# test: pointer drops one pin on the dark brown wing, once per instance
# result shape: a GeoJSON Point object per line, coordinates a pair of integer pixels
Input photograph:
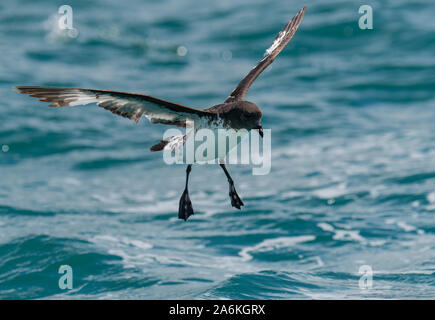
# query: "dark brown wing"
{"type": "Point", "coordinates": [281, 40]}
{"type": "Point", "coordinates": [129, 105]}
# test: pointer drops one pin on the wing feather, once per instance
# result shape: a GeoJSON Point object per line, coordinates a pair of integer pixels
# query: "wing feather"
{"type": "Point", "coordinates": [130, 105]}
{"type": "Point", "coordinates": [281, 40]}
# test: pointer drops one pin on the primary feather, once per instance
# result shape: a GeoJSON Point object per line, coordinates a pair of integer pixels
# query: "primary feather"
{"type": "Point", "coordinates": [281, 40]}
{"type": "Point", "coordinates": [129, 105]}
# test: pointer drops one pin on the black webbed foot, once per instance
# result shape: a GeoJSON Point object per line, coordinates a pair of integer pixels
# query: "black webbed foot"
{"type": "Point", "coordinates": [235, 199]}
{"type": "Point", "coordinates": [185, 209]}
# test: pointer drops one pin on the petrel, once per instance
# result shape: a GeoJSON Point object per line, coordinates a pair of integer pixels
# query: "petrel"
{"type": "Point", "coordinates": [235, 113]}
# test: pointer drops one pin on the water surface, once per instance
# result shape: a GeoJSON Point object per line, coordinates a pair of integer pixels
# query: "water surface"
{"type": "Point", "coordinates": [352, 183]}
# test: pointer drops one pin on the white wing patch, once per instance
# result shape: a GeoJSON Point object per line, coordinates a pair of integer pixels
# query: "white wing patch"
{"type": "Point", "coordinates": [276, 43]}
{"type": "Point", "coordinates": [175, 142]}
{"type": "Point", "coordinates": [129, 105]}
{"type": "Point", "coordinates": [134, 109]}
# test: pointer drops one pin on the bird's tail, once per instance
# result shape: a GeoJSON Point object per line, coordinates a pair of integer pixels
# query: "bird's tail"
{"type": "Point", "coordinates": [169, 143]}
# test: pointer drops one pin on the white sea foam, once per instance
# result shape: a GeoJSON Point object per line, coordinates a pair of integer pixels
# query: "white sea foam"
{"type": "Point", "coordinates": [332, 192]}
{"type": "Point", "coordinates": [348, 235]}
{"type": "Point", "coordinates": [343, 235]}
{"type": "Point", "coordinates": [325, 226]}
{"type": "Point", "coordinates": [319, 261]}
{"type": "Point", "coordinates": [138, 243]}
{"type": "Point", "coordinates": [405, 226]}
{"type": "Point", "coordinates": [155, 208]}
{"type": "Point", "coordinates": [431, 197]}
{"type": "Point", "coordinates": [273, 244]}
{"type": "Point", "coordinates": [123, 241]}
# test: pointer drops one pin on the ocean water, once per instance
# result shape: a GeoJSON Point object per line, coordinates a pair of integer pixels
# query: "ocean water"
{"type": "Point", "coordinates": [352, 183]}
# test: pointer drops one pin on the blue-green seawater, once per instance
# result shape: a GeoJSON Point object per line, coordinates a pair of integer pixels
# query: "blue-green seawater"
{"type": "Point", "coordinates": [352, 183]}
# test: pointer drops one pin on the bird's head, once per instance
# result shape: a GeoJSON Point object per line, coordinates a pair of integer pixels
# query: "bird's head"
{"type": "Point", "coordinates": [251, 115]}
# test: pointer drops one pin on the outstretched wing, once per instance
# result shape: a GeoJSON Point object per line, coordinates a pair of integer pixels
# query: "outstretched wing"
{"type": "Point", "coordinates": [129, 105]}
{"type": "Point", "coordinates": [281, 40]}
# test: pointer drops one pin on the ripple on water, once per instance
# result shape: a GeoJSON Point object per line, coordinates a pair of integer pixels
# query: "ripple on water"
{"type": "Point", "coordinates": [29, 268]}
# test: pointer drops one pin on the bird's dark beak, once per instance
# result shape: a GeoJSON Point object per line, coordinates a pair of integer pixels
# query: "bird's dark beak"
{"type": "Point", "coordinates": [260, 130]}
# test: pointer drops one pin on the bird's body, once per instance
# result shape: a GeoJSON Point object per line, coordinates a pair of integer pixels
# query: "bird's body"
{"type": "Point", "coordinates": [235, 115]}
{"type": "Point", "coordinates": [232, 119]}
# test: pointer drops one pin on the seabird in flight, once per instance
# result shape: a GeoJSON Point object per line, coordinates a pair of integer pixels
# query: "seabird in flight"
{"type": "Point", "coordinates": [235, 113]}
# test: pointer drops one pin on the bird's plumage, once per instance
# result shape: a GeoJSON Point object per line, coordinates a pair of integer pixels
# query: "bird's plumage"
{"type": "Point", "coordinates": [135, 106]}
{"type": "Point", "coordinates": [281, 40]}
{"type": "Point", "coordinates": [235, 113]}
{"type": "Point", "coordinates": [129, 105]}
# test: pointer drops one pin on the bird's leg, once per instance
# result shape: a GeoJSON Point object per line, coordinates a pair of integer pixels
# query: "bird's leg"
{"type": "Point", "coordinates": [185, 209]}
{"type": "Point", "coordinates": [235, 199]}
